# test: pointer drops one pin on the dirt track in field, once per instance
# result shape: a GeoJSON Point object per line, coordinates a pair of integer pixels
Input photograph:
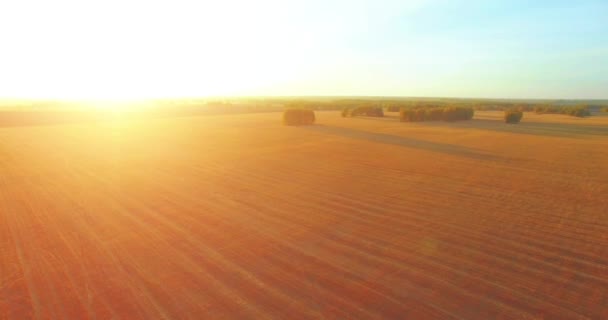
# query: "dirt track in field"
{"type": "Point", "coordinates": [240, 217]}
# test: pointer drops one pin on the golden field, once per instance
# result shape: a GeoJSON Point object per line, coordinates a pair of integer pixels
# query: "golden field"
{"type": "Point", "coordinates": [240, 217]}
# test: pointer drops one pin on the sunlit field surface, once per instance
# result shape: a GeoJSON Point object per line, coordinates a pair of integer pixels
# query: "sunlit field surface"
{"type": "Point", "coordinates": [238, 216]}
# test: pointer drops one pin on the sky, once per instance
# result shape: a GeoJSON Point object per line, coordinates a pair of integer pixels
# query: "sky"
{"type": "Point", "coordinates": [126, 49]}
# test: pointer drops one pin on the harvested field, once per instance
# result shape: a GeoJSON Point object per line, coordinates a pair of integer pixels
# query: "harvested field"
{"type": "Point", "coordinates": [238, 216]}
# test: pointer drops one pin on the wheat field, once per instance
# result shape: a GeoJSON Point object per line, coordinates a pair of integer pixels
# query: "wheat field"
{"type": "Point", "coordinates": [240, 217]}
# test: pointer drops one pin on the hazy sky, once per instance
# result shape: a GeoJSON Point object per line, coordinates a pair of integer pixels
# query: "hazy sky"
{"type": "Point", "coordinates": [147, 48]}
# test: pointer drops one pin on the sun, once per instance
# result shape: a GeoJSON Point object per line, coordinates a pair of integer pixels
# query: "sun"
{"type": "Point", "coordinates": [101, 52]}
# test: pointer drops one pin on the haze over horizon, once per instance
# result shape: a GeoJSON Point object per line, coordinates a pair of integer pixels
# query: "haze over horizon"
{"type": "Point", "coordinates": [153, 49]}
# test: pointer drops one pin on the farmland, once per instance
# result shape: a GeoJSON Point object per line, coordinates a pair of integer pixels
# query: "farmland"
{"type": "Point", "coordinates": [238, 216]}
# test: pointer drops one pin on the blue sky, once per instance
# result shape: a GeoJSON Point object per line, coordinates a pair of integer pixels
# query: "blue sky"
{"type": "Point", "coordinates": [136, 48]}
{"type": "Point", "coordinates": [481, 48]}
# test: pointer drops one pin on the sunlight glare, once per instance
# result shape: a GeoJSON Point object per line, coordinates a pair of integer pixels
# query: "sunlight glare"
{"type": "Point", "coordinates": [142, 49]}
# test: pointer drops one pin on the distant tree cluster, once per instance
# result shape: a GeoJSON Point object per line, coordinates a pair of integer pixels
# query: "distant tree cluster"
{"type": "Point", "coordinates": [513, 116]}
{"type": "Point", "coordinates": [451, 113]}
{"type": "Point", "coordinates": [368, 111]}
{"type": "Point", "coordinates": [298, 117]}
{"type": "Point", "coordinates": [580, 111]}
{"type": "Point", "coordinates": [575, 111]}
{"type": "Point", "coordinates": [419, 109]}
{"type": "Point", "coordinates": [507, 106]}
{"type": "Point", "coordinates": [388, 104]}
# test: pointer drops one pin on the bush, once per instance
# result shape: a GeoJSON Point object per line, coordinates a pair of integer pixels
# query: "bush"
{"type": "Point", "coordinates": [375, 112]}
{"type": "Point", "coordinates": [297, 117]}
{"type": "Point", "coordinates": [434, 114]}
{"type": "Point", "coordinates": [345, 112]}
{"type": "Point", "coordinates": [405, 115]}
{"type": "Point", "coordinates": [392, 109]}
{"type": "Point", "coordinates": [458, 113]}
{"type": "Point", "coordinates": [513, 116]}
{"type": "Point", "coordinates": [412, 115]}
{"type": "Point", "coordinates": [470, 113]}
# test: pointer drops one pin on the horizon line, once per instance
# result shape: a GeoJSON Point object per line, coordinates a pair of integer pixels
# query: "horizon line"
{"type": "Point", "coordinates": [229, 97]}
